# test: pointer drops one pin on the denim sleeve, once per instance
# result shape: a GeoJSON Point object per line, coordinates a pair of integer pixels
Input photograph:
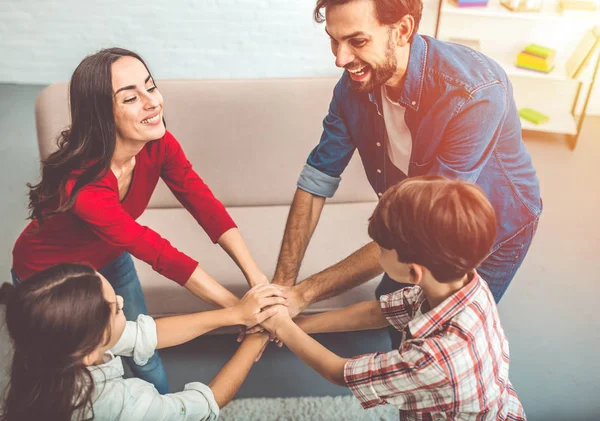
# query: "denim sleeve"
{"type": "Point", "coordinates": [472, 134]}
{"type": "Point", "coordinates": [321, 174]}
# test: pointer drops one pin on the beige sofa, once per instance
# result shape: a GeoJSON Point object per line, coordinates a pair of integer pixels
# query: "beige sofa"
{"type": "Point", "coordinates": [248, 139]}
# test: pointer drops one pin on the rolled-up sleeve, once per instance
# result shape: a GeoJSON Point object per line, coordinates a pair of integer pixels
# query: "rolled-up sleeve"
{"type": "Point", "coordinates": [409, 378]}
{"type": "Point", "coordinates": [399, 306]}
{"type": "Point", "coordinates": [315, 182]}
{"type": "Point", "coordinates": [321, 174]}
{"type": "Point", "coordinates": [196, 402]}
{"type": "Point", "coordinates": [139, 340]}
{"type": "Point", "coordinates": [139, 400]}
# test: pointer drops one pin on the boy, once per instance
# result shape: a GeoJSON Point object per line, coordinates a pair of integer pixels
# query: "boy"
{"type": "Point", "coordinates": [453, 361]}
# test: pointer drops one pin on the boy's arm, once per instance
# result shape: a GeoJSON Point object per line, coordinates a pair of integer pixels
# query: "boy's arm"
{"type": "Point", "coordinates": [361, 316]}
{"type": "Point", "coordinates": [322, 360]}
{"type": "Point", "coordinates": [229, 379]}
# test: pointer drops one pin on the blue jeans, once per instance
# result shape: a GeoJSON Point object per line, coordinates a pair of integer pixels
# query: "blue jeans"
{"type": "Point", "coordinates": [123, 277]}
{"type": "Point", "coordinates": [498, 270]}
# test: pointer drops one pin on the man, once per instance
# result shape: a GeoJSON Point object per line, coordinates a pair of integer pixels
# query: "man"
{"type": "Point", "coordinates": [411, 105]}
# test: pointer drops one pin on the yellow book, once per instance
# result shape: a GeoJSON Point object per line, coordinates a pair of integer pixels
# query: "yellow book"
{"type": "Point", "coordinates": [529, 60]}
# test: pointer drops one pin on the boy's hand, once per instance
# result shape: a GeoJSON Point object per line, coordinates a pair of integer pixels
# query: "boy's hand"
{"type": "Point", "coordinates": [261, 296]}
{"type": "Point", "coordinates": [279, 313]}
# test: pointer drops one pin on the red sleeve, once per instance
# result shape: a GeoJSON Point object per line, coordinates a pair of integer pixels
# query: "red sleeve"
{"type": "Point", "coordinates": [192, 192]}
{"type": "Point", "coordinates": [99, 207]}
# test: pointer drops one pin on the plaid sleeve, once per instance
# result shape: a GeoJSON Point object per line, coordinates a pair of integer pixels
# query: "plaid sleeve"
{"type": "Point", "coordinates": [398, 307]}
{"type": "Point", "coordinates": [410, 378]}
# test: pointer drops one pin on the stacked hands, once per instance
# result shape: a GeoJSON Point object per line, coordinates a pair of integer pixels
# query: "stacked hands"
{"type": "Point", "coordinates": [263, 307]}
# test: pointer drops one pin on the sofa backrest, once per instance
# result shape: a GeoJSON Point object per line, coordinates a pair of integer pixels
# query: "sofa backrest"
{"type": "Point", "coordinates": [248, 139]}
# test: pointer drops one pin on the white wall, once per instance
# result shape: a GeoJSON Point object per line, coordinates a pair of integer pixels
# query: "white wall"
{"type": "Point", "coordinates": [41, 41]}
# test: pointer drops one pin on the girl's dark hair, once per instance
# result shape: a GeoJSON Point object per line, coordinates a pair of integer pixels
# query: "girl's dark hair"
{"type": "Point", "coordinates": [88, 144]}
{"type": "Point", "coordinates": [388, 11]}
{"type": "Point", "coordinates": [447, 226]}
{"type": "Point", "coordinates": [54, 318]}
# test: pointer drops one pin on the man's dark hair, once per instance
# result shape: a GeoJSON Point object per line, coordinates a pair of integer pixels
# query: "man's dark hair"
{"type": "Point", "coordinates": [388, 11]}
{"type": "Point", "coordinates": [447, 226]}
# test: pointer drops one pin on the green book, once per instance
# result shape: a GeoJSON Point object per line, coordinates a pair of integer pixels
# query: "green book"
{"type": "Point", "coordinates": [533, 116]}
{"type": "Point", "coordinates": [540, 51]}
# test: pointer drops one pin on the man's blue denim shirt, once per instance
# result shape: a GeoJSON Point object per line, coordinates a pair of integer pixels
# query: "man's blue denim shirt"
{"type": "Point", "coordinates": [464, 124]}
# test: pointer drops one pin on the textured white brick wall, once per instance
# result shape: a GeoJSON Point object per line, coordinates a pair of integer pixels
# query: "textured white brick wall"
{"type": "Point", "coordinates": [42, 41]}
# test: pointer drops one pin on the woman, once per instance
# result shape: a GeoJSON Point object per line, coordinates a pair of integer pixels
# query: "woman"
{"type": "Point", "coordinates": [66, 324]}
{"type": "Point", "coordinates": [100, 180]}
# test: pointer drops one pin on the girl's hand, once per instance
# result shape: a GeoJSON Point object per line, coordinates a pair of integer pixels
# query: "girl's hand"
{"type": "Point", "coordinates": [261, 296]}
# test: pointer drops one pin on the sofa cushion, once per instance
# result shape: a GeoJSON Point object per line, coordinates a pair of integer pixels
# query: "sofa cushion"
{"type": "Point", "coordinates": [342, 230]}
{"type": "Point", "coordinates": [248, 139]}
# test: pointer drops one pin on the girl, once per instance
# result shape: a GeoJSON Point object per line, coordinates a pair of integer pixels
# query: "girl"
{"type": "Point", "coordinates": [100, 180]}
{"type": "Point", "coordinates": [67, 324]}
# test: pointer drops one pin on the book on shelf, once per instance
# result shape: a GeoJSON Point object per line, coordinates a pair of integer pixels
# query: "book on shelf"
{"type": "Point", "coordinates": [567, 5]}
{"type": "Point", "coordinates": [540, 51]}
{"type": "Point", "coordinates": [470, 3]}
{"type": "Point", "coordinates": [536, 57]}
{"type": "Point", "coordinates": [535, 68]}
{"type": "Point", "coordinates": [583, 52]}
{"type": "Point", "coordinates": [522, 5]}
{"type": "Point", "coordinates": [527, 60]}
{"type": "Point", "coordinates": [533, 116]}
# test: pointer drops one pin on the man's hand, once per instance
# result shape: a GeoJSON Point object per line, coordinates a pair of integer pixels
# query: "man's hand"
{"type": "Point", "coordinates": [294, 306]}
{"type": "Point", "coordinates": [249, 308]}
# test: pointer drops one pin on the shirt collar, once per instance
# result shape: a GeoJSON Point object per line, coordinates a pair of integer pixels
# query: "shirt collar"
{"type": "Point", "coordinates": [415, 76]}
{"type": "Point", "coordinates": [109, 370]}
{"type": "Point", "coordinates": [425, 324]}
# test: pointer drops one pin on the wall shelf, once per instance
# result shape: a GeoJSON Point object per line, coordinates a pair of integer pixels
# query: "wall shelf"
{"type": "Point", "coordinates": [462, 22]}
{"type": "Point", "coordinates": [495, 10]}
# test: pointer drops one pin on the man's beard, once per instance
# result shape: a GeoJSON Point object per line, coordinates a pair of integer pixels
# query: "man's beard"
{"type": "Point", "coordinates": [379, 76]}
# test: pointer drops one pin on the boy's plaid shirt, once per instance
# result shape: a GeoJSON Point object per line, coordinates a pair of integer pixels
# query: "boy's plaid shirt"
{"type": "Point", "coordinates": [452, 364]}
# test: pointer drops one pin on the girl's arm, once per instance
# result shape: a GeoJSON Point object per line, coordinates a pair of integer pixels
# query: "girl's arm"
{"type": "Point", "coordinates": [176, 330]}
{"type": "Point", "coordinates": [361, 316]}
{"type": "Point", "coordinates": [227, 381]}
{"type": "Point", "coordinates": [233, 243]}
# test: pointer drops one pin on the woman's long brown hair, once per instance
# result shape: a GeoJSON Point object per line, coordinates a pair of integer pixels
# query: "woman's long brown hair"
{"type": "Point", "coordinates": [88, 144]}
{"type": "Point", "coordinates": [54, 318]}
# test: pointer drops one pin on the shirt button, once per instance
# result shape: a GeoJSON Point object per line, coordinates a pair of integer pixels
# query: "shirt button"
{"type": "Point", "coordinates": [378, 171]}
{"type": "Point", "coordinates": [379, 194]}
{"type": "Point", "coordinates": [414, 103]}
{"type": "Point", "coordinates": [378, 144]}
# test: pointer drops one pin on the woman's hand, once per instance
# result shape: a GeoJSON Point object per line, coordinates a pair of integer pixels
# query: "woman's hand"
{"type": "Point", "coordinates": [264, 295]}
{"type": "Point", "coordinates": [258, 279]}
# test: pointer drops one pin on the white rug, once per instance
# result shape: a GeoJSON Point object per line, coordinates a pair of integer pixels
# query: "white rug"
{"type": "Point", "coordinates": [338, 408]}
